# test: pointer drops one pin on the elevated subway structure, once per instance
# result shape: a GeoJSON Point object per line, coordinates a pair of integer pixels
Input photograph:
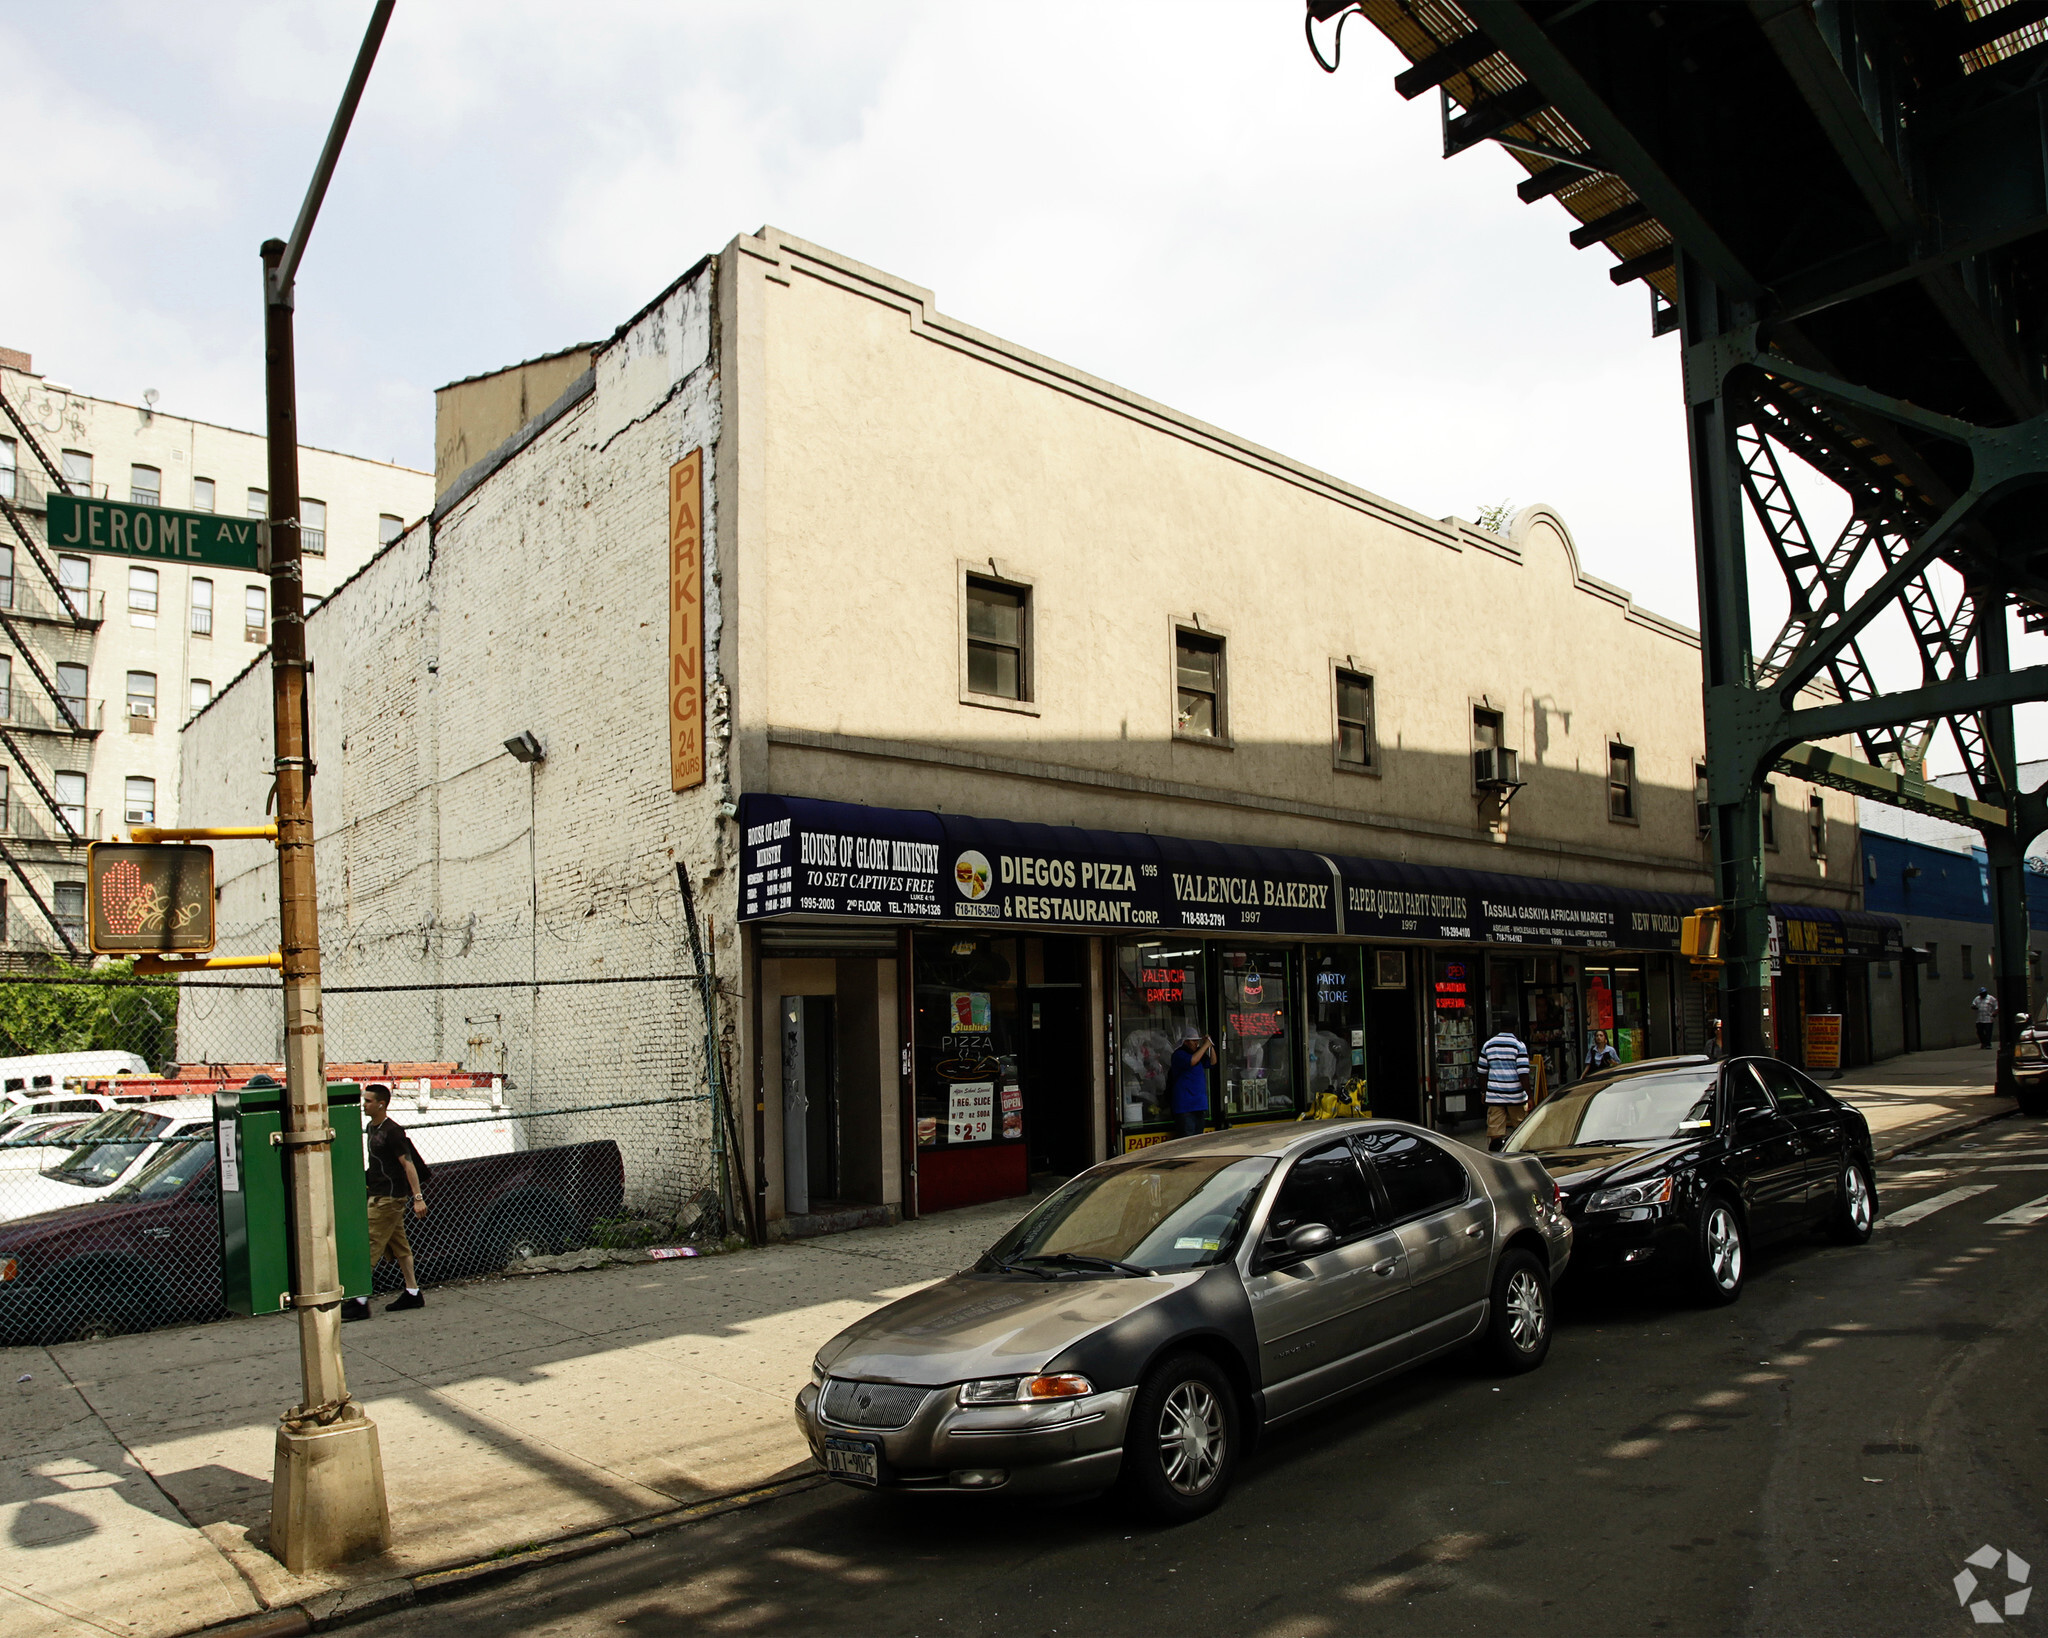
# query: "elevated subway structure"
{"type": "Point", "coordinates": [1843, 209]}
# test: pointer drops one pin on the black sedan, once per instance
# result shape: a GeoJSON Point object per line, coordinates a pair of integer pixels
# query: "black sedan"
{"type": "Point", "coordinates": [1681, 1166]}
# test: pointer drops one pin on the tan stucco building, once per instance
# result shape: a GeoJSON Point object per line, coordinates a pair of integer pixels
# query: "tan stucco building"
{"type": "Point", "coordinates": [1038, 722]}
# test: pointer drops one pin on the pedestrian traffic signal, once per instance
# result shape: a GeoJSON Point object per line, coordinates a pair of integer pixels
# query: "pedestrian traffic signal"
{"type": "Point", "coordinates": [1699, 935]}
{"type": "Point", "coordinates": [154, 899]}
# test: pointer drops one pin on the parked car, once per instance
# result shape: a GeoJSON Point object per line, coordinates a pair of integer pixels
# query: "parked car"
{"type": "Point", "coordinates": [109, 1149]}
{"type": "Point", "coordinates": [1141, 1325]}
{"type": "Point", "coordinates": [60, 1103]}
{"type": "Point", "coordinates": [147, 1252]}
{"type": "Point", "coordinates": [30, 1142]}
{"type": "Point", "coordinates": [1680, 1168]}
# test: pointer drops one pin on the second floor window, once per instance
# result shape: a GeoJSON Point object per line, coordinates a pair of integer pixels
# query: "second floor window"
{"type": "Point", "coordinates": [142, 594]}
{"type": "Point", "coordinates": [997, 659]}
{"type": "Point", "coordinates": [1493, 763]}
{"type": "Point", "coordinates": [1621, 782]}
{"type": "Point", "coordinates": [259, 503]}
{"type": "Point", "coordinates": [389, 528]}
{"type": "Point", "coordinates": [142, 694]}
{"type": "Point", "coordinates": [202, 695]}
{"type": "Point", "coordinates": [6, 687]}
{"type": "Point", "coordinates": [255, 613]}
{"type": "Point", "coordinates": [1198, 685]}
{"type": "Point", "coordinates": [76, 465]}
{"type": "Point", "coordinates": [6, 577]}
{"type": "Point", "coordinates": [139, 800]}
{"type": "Point", "coordinates": [67, 903]}
{"type": "Point", "coordinates": [1817, 825]}
{"type": "Point", "coordinates": [145, 486]}
{"type": "Point", "coordinates": [74, 574]}
{"type": "Point", "coordinates": [7, 462]}
{"type": "Point", "coordinates": [313, 528]}
{"type": "Point", "coordinates": [1702, 809]}
{"type": "Point", "coordinates": [1769, 805]}
{"type": "Point", "coordinates": [202, 608]}
{"type": "Point", "coordinates": [202, 494]}
{"type": "Point", "coordinates": [71, 690]}
{"type": "Point", "coordinates": [3, 799]}
{"type": "Point", "coordinates": [1354, 719]}
{"type": "Point", "coordinates": [71, 800]}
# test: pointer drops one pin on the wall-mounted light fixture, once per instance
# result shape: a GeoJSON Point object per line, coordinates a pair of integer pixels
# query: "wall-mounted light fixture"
{"type": "Point", "coordinates": [1910, 872]}
{"type": "Point", "coordinates": [526, 748]}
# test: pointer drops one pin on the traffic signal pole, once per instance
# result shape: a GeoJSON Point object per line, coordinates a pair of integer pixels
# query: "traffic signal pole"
{"type": "Point", "coordinates": [327, 1500]}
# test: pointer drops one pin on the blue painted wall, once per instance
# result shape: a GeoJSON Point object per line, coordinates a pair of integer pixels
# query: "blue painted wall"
{"type": "Point", "coordinates": [1950, 886]}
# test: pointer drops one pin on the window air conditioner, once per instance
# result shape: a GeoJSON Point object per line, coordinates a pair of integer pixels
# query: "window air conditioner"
{"type": "Point", "coordinates": [1495, 768]}
{"type": "Point", "coordinates": [142, 708]}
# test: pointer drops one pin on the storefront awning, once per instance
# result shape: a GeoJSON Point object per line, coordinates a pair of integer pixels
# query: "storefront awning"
{"type": "Point", "coordinates": [804, 857]}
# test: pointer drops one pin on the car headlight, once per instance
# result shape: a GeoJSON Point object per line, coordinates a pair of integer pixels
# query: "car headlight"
{"type": "Point", "coordinates": [817, 1374]}
{"type": "Point", "coordinates": [8, 1269]}
{"type": "Point", "coordinates": [1653, 1192]}
{"type": "Point", "coordinates": [1013, 1390]}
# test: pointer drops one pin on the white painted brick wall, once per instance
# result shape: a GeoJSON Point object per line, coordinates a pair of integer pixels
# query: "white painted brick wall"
{"type": "Point", "coordinates": [537, 603]}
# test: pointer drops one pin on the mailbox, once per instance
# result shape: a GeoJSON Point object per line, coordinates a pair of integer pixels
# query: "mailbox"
{"type": "Point", "coordinates": [255, 1252]}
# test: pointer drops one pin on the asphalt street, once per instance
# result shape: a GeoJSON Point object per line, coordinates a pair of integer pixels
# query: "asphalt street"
{"type": "Point", "coordinates": [1820, 1458]}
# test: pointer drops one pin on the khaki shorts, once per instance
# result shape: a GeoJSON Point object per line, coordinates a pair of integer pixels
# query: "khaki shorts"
{"type": "Point", "coordinates": [387, 1227]}
{"type": "Point", "coordinates": [1501, 1119]}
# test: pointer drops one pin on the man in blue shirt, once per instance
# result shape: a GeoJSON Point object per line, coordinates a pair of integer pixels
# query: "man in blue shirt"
{"type": "Point", "coordinates": [1187, 1081]}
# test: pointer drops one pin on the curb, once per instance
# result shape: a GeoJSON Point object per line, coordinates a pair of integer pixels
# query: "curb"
{"type": "Point", "coordinates": [347, 1605]}
{"type": "Point", "coordinates": [1944, 1135]}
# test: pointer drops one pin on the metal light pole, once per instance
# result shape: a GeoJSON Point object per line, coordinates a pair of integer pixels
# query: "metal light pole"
{"type": "Point", "coordinates": [327, 1487]}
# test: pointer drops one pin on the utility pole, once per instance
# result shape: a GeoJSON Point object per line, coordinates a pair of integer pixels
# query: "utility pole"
{"type": "Point", "coordinates": [327, 1488]}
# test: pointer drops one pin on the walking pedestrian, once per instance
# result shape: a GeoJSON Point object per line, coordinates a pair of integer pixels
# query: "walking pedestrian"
{"type": "Point", "coordinates": [1506, 1063]}
{"type": "Point", "coordinates": [1187, 1081]}
{"type": "Point", "coordinates": [1985, 1005]}
{"type": "Point", "coordinates": [394, 1174]}
{"type": "Point", "coordinates": [1604, 1055]}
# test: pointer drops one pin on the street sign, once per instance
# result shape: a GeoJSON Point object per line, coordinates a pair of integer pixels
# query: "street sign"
{"type": "Point", "coordinates": [119, 529]}
{"type": "Point", "coordinates": [148, 900]}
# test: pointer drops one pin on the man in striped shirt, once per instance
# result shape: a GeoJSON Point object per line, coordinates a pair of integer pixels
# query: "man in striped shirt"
{"type": "Point", "coordinates": [1505, 1062]}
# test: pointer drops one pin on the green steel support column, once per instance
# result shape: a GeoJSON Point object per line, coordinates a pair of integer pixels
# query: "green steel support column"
{"type": "Point", "coordinates": [1734, 772]}
{"type": "Point", "coordinates": [2005, 846]}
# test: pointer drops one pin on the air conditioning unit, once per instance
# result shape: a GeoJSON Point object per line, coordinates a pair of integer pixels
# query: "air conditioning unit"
{"type": "Point", "coordinates": [1496, 768]}
{"type": "Point", "coordinates": [142, 708]}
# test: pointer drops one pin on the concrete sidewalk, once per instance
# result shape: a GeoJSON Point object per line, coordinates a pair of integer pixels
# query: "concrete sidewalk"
{"type": "Point", "coordinates": [135, 1472]}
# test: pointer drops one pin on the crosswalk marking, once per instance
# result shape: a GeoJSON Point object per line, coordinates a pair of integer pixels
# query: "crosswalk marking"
{"type": "Point", "coordinates": [2020, 1216]}
{"type": "Point", "coordinates": [1932, 1204]}
{"type": "Point", "coordinates": [2041, 1166]}
{"type": "Point", "coordinates": [1988, 1154]}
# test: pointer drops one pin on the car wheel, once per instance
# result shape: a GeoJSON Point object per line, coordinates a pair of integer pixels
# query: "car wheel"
{"type": "Point", "coordinates": [1722, 1255]}
{"type": "Point", "coordinates": [532, 1226]}
{"type": "Point", "coordinates": [1181, 1449]}
{"type": "Point", "coordinates": [1855, 1210]}
{"type": "Point", "coordinates": [1518, 1320]}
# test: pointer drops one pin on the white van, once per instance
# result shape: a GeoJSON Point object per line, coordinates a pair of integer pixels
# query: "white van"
{"type": "Point", "coordinates": [44, 1073]}
{"type": "Point", "coordinates": [417, 1107]}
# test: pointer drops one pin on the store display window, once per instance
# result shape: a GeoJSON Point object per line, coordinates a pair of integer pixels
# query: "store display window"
{"type": "Point", "coordinates": [1616, 1014]}
{"type": "Point", "coordinates": [1454, 1033]}
{"type": "Point", "coordinates": [1159, 994]}
{"type": "Point", "coordinates": [1336, 1023]}
{"type": "Point", "coordinates": [1255, 1044]}
{"type": "Point", "coordinates": [968, 1036]}
{"type": "Point", "coordinates": [1550, 1003]}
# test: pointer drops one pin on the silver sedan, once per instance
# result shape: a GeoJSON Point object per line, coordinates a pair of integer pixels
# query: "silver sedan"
{"type": "Point", "coordinates": [1141, 1325]}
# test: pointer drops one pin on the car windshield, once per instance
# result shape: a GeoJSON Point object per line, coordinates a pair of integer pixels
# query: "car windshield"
{"type": "Point", "coordinates": [1161, 1216]}
{"type": "Point", "coordinates": [107, 1147]}
{"type": "Point", "coordinates": [1635, 1109]}
{"type": "Point", "coordinates": [169, 1170]}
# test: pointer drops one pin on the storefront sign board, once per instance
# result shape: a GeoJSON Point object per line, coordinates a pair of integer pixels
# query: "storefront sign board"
{"type": "Point", "coordinates": [1824, 1040]}
{"type": "Point", "coordinates": [686, 622]}
{"type": "Point", "coordinates": [971, 1111]}
{"type": "Point", "coordinates": [1812, 943]}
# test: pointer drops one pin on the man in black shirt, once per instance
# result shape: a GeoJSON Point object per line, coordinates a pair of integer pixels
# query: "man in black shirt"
{"type": "Point", "coordinates": [393, 1178]}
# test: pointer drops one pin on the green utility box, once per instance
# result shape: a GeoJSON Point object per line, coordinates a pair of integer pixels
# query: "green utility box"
{"type": "Point", "coordinates": [255, 1253]}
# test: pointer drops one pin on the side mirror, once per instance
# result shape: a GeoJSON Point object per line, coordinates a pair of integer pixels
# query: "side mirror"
{"type": "Point", "coordinates": [1310, 1238]}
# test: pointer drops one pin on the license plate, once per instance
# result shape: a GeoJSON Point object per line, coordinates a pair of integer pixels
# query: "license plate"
{"type": "Point", "coordinates": [856, 1459]}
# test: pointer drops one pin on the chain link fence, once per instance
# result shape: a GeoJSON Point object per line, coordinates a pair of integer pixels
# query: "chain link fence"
{"type": "Point", "coordinates": [559, 1108]}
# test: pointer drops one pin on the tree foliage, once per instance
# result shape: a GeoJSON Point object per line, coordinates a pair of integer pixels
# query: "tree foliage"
{"type": "Point", "coordinates": [99, 1010]}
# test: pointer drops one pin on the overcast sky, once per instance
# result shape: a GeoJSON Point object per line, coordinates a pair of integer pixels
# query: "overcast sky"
{"type": "Point", "coordinates": [1169, 195]}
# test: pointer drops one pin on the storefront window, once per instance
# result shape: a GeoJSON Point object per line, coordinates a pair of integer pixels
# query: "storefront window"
{"type": "Point", "coordinates": [1454, 1033]}
{"type": "Point", "coordinates": [1336, 1022]}
{"type": "Point", "coordinates": [1615, 1013]}
{"type": "Point", "coordinates": [1255, 1047]}
{"type": "Point", "coordinates": [1550, 1003]}
{"type": "Point", "coordinates": [967, 1033]}
{"type": "Point", "coordinates": [1159, 994]}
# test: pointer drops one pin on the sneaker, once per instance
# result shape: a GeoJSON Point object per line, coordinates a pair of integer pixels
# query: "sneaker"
{"type": "Point", "coordinates": [409, 1299]}
{"type": "Point", "coordinates": [355, 1308]}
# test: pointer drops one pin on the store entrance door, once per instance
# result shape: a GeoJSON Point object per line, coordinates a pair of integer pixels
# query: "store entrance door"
{"type": "Point", "coordinates": [1393, 1066]}
{"type": "Point", "coordinates": [810, 1103]}
{"type": "Point", "coordinates": [1057, 1127]}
